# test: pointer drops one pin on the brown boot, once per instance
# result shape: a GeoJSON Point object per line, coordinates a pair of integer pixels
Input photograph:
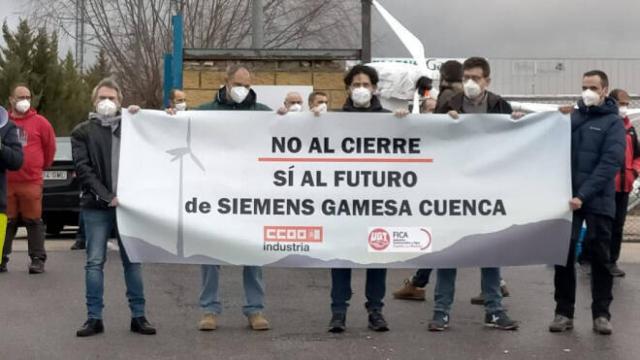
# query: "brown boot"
{"type": "Point", "coordinates": [208, 322]}
{"type": "Point", "coordinates": [257, 321]}
{"type": "Point", "coordinates": [409, 292]}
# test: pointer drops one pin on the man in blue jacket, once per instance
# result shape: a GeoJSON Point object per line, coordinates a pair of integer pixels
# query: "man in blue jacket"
{"type": "Point", "coordinates": [597, 153]}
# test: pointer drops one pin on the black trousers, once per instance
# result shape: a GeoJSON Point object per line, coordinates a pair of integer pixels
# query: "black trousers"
{"type": "Point", "coordinates": [598, 241]}
{"type": "Point", "coordinates": [341, 292]}
{"type": "Point", "coordinates": [622, 201]}
{"type": "Point", "coordinates": [421, 278]}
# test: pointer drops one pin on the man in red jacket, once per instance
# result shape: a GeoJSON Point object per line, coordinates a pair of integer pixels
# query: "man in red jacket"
{"type": "Point", "coordinates": [624, 180]}
{"type": "Point", "coordinates": [24, 198]}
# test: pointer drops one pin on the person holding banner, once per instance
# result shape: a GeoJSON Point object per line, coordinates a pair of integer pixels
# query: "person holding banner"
{"type": "Point", "coordinates": [178, 100]}
{"type": "Point", "coordinates": [236, 94]}
{"type": "Point", "coordinates": [597, 154]}
{"type": "Point", "coordinates": [450, 82]}
{"type": "Point", "coordinates": [292, 103]}
{"type": "Point", "coordinates": [361, 82]}
{"type": "Point", "coordinates": [11, 158]}
{"type": "Point", "coordinates": [475, 99]}
{"type": "Point", "coordinates": [318, 102]}
{"type": "Point", "coordinates": [96, 151]}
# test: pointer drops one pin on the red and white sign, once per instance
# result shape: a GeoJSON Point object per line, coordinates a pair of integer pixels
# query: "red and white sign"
{"type": "Point", "coordinates": [308, 234]}
{"type": "Point", "coordinates": [400, 239]}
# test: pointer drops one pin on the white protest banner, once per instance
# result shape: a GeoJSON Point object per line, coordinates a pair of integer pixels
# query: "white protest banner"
{"type": "Point", "coordinates": [344, 189]}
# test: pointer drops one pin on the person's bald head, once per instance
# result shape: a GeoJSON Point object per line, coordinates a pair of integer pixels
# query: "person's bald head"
{"type": "Point", "coordinates": [293, 98]}
{"type": "Point", "coordinates": [238, 75]}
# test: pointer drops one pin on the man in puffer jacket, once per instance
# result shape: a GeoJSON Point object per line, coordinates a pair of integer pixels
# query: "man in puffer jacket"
{"type": "Point", "coordinates": [597, 153]}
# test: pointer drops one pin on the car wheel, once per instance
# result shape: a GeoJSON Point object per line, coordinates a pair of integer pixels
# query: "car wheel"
{"type": "Point", "coordinates": [54, 228]}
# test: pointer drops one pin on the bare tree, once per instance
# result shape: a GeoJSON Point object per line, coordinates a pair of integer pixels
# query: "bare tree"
{"type": "Point", "coordinates": [136, 33]}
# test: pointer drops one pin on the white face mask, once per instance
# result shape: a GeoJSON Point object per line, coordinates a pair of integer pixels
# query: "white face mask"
{"type": "Point", "coordinates": [23, 106]}
{"type": "Point", "coordinates": [623, 110]}
{"type": "Point", "coordinates": [471, 89]}
{"type": "Point", "coordinates": [295, 108]}
{"type": "Point", "coordinates": [590, 97]}
{"type": "Point", "coordinates": [181, 106]}
{"type": "Point", "coordinates": [322, 108]}
{"type": "Point", "coordinates": [361, 96]}
{"type": "Point", "coordinates": [239, 93]}
{"type": "Point", "coordinates": [106, 107]}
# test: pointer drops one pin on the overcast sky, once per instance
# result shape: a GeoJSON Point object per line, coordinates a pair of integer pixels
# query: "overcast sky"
{"type": "Point", "coordinates": [11, 11]}
{"type": "Point", "coordinates": [515, 28]}
{"type": "Point", "coordinates": [496, 28]}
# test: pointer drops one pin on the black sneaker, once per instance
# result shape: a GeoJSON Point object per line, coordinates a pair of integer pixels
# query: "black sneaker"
{"type": "Point", "coordinates": [338, 323]}
{"type": "Point", "coordinates": [377, 322]}
{"type": "Point", "coordinates": [36, 266]}
{"type": "Point", "coordinates": [140, 325]}
{"type": "Point", "coordinates": [3, 265]}
{"type": "Point", "coordinates": [440, 322]}
{"type": "Point", "coordinates": [501, 321]}
{"type": "Point", "coordinates": [90, 328]}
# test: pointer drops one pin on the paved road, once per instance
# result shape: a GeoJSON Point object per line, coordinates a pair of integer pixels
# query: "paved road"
{"type": "Point", "coordinates": [39, 316]}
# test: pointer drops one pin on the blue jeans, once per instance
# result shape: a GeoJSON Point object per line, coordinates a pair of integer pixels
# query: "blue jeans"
{"type": "Point", "coordinates": [253, 290]}
{"type": "Point", "coordinates": [98, 226]}
{"type": "Point", "coordinates": [489, 283]}
{"type": "Point", "coordinates": [341, 292]}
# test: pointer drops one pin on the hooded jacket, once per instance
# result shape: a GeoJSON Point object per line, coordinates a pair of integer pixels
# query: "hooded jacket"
{"type": "Point", "coordinates": [629, 172]}
{"type": "Point", "coordinates": [38, 144]}
{"type": "Point", "coordinates": [597, 153]}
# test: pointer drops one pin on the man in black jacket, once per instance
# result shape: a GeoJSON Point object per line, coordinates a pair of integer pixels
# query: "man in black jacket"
{"type": "Point", "coordinates": [96, 150]}
{"type": "Point", "coordinates": [597, 153]}
{"type": "Point", "coordinates": [475, 99]}
{"type": "Point", "coordinates": [10, 159]}
{"type": "Point", "coordinates": [361, 82]}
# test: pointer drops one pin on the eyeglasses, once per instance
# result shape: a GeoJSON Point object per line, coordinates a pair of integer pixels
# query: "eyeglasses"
{"type": "Point", "coordinates": [475, 78]}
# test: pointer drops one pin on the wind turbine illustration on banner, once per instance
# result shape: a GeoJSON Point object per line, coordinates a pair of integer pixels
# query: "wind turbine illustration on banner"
{"type": "Point", "coordinates": [179, 154]}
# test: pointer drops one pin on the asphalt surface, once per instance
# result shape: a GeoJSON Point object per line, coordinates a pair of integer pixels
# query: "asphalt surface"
{"type": "Point", "coordinates": [39, 315]}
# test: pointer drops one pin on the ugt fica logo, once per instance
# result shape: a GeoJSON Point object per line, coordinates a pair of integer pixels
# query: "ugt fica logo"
{"type": "Point", "coordinates": [379, 239]}
{"type": "Point", "coordinates": [400, 239]}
